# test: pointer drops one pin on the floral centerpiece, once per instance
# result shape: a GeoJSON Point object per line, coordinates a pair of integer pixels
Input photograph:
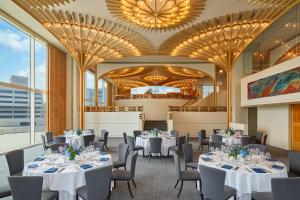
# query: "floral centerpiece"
{"type": "Point", "coordinates": [154, 132]}
{"type": "Point", "coordinates": [229, 131]}
{"type": "Point", "coordinates": [78, 132]}
{"type": "Point", "coordinates": [71, 152]}
{"type": "Point", "coordinates": [236, 150]}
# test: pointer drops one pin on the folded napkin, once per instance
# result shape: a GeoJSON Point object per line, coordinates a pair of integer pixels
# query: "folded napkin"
{"type": "Point", "coordinates": [209, 154]}
{"type": "Point", "coordinates": [226, 166]}
{"type": "Point", "coordinates": [206, 159]}
{"type": "Point", "coordinates": [31, 166]}
{"type": "Point", "coordinates": [259, 170]}
{"type": "Point", "coordinates": [51, 170]}
{"type": "Point", "coordinates": [39, 159]}
{"type": "Point", "coordinates": [104, 159]}
{"type": "Point", "coordinates": [103, 153]}
{"type": "Point", "coordinates": [86, 166]}
{"type": "Point", "coordinates": [279, 167]}
{"type": "Point", "coordinates": [271, 160]}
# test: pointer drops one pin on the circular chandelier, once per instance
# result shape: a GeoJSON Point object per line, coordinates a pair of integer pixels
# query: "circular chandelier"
{"type": "Point", "coordinates": [156, 14]}
{"type": "Point", "coordinates": [155, 78]}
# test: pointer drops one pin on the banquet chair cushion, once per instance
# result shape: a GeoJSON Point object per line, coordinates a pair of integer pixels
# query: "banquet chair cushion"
{"type": "Point", "coordinates": [189, 175]}
{"type": "Point", "coordinates": [261, 195]}
{"type": "Point", "coordinates": [121, 175]}
{"type": "Point", "coordinates": [4, 191]}
{"type": "Point", "coordinates": [82, 192]}
{"type": "Point", "coordinates": [228, 192]}
{"type": "Point", "coordinates": [49, 195]}
{"type": "Point", "coordinates": [118, 163]}
{"type": "Point", "coordinates": [193, 165]}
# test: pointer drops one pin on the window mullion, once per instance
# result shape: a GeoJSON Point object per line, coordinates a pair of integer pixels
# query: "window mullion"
{"type": "Point", "coordinates": [32, 84]}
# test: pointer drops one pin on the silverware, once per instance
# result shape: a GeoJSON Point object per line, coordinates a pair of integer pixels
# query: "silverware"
{"type": "Point", "coordinates": [236, 168]}
{"type": "Point", "coordinates": [62, 169]}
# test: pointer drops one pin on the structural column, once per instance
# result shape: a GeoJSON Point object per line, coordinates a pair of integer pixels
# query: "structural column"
{"type": "Point", "coordinates": [82, 97]}
{"type": "Point", "coordinates": [229, 97]}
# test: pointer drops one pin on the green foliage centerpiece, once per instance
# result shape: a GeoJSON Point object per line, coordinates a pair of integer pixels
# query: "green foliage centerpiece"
{"type": "Point", "coordinates": [154, 132]}
{"type": "Point", "coordinates": [229, 131]}
{"type": "Point", "coordinates": [78, 132]}
{"type": "Point", "coordinates": [236, 150]}
{"type": "Point", "coordinates": [71, 152]}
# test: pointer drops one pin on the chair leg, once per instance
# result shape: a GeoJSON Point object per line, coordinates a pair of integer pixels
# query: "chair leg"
{"type": "Point", "coordinates": [77, 198]}
{"type": "Point", "coordinates": [199, 147]}
{"type": "Point", "coordinates": [160, 157]}
{"type": "Point", "coordinates": [128, 184]}
{"type": "Point", "coordinates": [196, 184]}
{"type": "Point", "coordinates": [109, 190]}
{"type": "Point", "coordinates": [202, 148]}
{"type": "Point", "coordinates": [185, 167]}
{"type": "Point", "coordinates": [180, 189]}
{"type": "Point", "coordinates": [143, 152]}
{"type": "Point", "coordinates": [201, 194]}
{"type": "Point", "coordinates": [176, 183]}
{"type": "Point", "coordinates": [115, 184]}
{"type": "Point", "coordinates": [234, 197]}
{"type": "Point", "coordinates": [133, 183]}
{"type": "Point", "coordinates": [149, 156]}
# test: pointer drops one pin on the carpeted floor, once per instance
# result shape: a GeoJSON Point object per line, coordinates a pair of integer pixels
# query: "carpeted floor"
{"type": "Point", "coordinates": [154, 179]}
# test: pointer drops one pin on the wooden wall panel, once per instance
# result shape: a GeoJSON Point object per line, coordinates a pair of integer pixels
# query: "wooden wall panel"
{"type": "Point", "coordinates": [296, 127]}
{"type": "Point", "coordinates": [57, 76]}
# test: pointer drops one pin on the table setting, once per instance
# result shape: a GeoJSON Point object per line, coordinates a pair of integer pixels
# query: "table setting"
{"type": "Point", "coordinates": [231, 137]}
{"type": "Point", "coordinates": [75, 137]}
{"type": "Point", "coordinates": [246, 170]}
{"type": "Point", "coordinates": [65, 171]}
{"type": "Point", "coordinates": [167, 141]}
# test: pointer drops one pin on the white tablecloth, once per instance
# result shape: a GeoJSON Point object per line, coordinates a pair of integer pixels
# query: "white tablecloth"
{"type": "Point", "coordinates": [231, 140]}
{"type": "Point", "coordinates": [70, 178]}
{"type": "Point", "coordinates": [244, 179]}
{"type": "Point", "coordinates": [144, 142]}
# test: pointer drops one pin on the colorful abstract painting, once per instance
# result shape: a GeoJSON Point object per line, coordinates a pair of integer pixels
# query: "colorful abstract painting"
{"type": "Point", "coordinates": [278, 84]}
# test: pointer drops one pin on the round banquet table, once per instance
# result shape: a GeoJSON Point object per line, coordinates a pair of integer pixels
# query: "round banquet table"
{"type": "Point", "coordinates": [69, 175]}
{"type": "Point", "coordinates": [167, 141]}
{"type": "Point", "coordinates": [232, 140]}
{"type": "Point", "coordinates": [241, 176]}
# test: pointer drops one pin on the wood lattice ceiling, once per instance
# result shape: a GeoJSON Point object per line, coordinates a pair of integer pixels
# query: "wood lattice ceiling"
{"type": "Point", "coordinates": [271, 3]}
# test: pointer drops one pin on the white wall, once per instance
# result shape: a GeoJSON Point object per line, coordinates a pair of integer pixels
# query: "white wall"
{"type": "Point", "coordinates": [115, 122]}
{"type": "Point", "coordinates": [193, 122]}
{"type": "Point", "coordinates": [274, 121]}
{"type": "Point", "coordinates": [154, 109]}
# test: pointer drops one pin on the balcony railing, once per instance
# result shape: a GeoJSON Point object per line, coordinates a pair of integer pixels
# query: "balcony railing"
{"type": "Point", "coordinates": [197, 108]}
{"type": "Point", "coordinates": [113, 109]}
{"type": "Point", "coordinates": [156, 96]}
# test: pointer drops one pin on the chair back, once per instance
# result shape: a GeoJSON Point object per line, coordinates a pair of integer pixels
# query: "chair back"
{"type": "Point", "coordinates": [87, 139]}
{"type": "Point", "coordinates": [187, 152]}
{"type": "Point", "coordinates": [216, 131]}
{"type": "Point", "coordinates": [294, 162]}
{"type": "Point", "coordinates": [98, 182]}
{"type": "Point", "coordinates": [264, 139]}
{"type": "Point", "coordinates": [155, 145]}
{"type": "Point", "coordinates": [137, 133]}
{"type": "Point", "coordinates": [133, 165]}
{"type": "Point", "coordinates": [54, 147]}
{"type": "Point", "coordinates": [43, 138]}
{"type": "Point", "coordinates": [285, 188]}
{"type": "Point", "coordinates": [181, 141]}
{"type": "Point", "coordinates": [213, 181]}
{"type": "Point", "coordinates": [258, 137]}
{"type": "Point", "coordinates": [26, 186]}
{"type": "Point", "coordinates": [97, 144]}
{"type": "Point", "coordinates": [49, 137]}
{"type": "Point", "coordinates": [175, 134]}
{"type": "Point", "coordinates": [102, 133]}
{"type": "Point", "coordinates": [123, 152]}
{"type": "Point", "coordinates": [216, 144]}
{"type": "Point", "coordinates": [246, 140]}
{"type": "Point", "coordinates": [125, 137]}
{"type": "Point", "coordinates": [177, 165]}
{"type": "Point", "coordinates": [130, 142]}
{"type": "Point", "coordinates": [187, 138]}
{"type": "Point", "coordinates": [262, 148]}
{"type": "Point", "coordinates": [15, 161]}
{"type": "Point", "coordinates": [201, 136]}
{"type": "Point", "coordinates": [59, 139]}
{"type": "Point", "coordinates": [105, 137]}
{"type": "Point", "coordinates": [90, 131]}
{"type": "Point", "coordinates": [216, 138]}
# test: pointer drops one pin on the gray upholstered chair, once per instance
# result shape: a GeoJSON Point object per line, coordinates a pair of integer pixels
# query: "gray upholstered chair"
{"type": "Point", "coordinates": [216, 131]}
{"type": "Point", "coordinates": [282, 188]}
{"type": "Point", "coordinates": [136, 133]}
{"type": "Point", "coordinates": [187, 138]}
{"type": "Point", "coordinates": [49, 137]}
{"type": "Point", "coordinates": [216, 144]}
{"type": "Point", "coordinates": [264, 139]}
{"type": "Point", "coordinates": [258, 137]}
{"type": "Point", "coordinates": [262, 148]}
{"type": "Point", "coordinates": [4, 191]}
{"type": "Point", "coordinates": [122, 156]}
{"type": "Point", "coordinates": [132, 146]}
{"type": "Point", "coordinates": [175, 134]}
{"type": "Point", "coordinates": [59, 139]}
{"type": "Point", "coordinates": [246, 140]}
{"type": "Point", "coordinates": [178, 147]}
{"type": "Point", "coordinates": [185, 175]}
{"type": "Point", "coordinates": [155, 146]}
{"type": "Point", "coordinates": [31, 188]}
{"type": "Point", "coordinates": [203, 141]}
{"type": "Point", "coordinates": [294, 164]}
{"type": "Point", "coordinates": [125, 137]}
{"type": "Point", "coordinates": [87, 139]}
{"type": "Point", "coordinates": [55, 147]}
{"type": "Point", "coordinates": [97, 184]}
{"type": "Point", "coordinates": [213, 184]}
{"type": "Point", "coordinates": [45, 145]}
{"type": "Point", "coordinates": [188, 156]}
{"type": "Point", "coordinates": [97, 144]}
{"type": "Point", "coordinates": [15, 161]}
{"type": "Point", "coordinates": [216, 138]}
{"type": "Point", "coordinates": [123, 175]}
{"type": "Point", "coordinates": [104, 138]}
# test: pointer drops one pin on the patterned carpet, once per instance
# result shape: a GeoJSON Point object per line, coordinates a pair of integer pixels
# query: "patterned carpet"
{"type": "Point", "coordinates": [154, 179]}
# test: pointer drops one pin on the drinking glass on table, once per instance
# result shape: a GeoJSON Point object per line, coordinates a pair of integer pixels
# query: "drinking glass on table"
{"type": "Point", "coordinates": [268, 155]}
{"type": "Point", "coordinates": [212, 149]}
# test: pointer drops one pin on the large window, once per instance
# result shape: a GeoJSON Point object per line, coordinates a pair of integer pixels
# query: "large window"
{"type": "Point", "coordinates": [102, 92]}
{"type": "Point", "coordinates": [89, 88]}
{"type": "Point", "coordinates": [22, 88]}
